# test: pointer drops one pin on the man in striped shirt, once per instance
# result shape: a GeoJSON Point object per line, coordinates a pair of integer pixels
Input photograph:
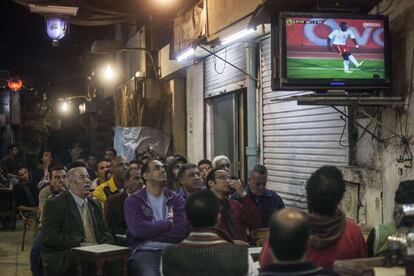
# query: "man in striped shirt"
{"type": "Point", "coordinates": [207, 250]}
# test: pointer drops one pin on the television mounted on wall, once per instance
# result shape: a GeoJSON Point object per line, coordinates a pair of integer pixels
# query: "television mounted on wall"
{"type": "Point", "coordinates": [329, 51]}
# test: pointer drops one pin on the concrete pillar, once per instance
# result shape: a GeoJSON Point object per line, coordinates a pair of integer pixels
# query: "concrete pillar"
{"type": "Point", "coordinates": [251, 149]}
{"type": "Point", "coordinates": [178, 116]}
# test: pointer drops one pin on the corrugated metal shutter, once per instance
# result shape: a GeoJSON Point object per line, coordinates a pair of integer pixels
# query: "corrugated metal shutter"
{"type": "Point", "coordinates": [296, 139]}
{"type": "Point", "coordinates": [220, 77]}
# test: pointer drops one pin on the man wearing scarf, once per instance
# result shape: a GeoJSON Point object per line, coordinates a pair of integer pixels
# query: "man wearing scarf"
{"type": "Point", "coordinates": [333, 237]}
{"type": "Point", "coordinates": [237, 216]}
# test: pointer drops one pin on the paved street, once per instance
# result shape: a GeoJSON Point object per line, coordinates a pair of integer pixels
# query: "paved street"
{"type": "Point", "coordinates": [12, 260]}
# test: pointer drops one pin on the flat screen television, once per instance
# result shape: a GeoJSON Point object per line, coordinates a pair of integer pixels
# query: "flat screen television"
{"type": "Point", "coordinates": [330, 52]}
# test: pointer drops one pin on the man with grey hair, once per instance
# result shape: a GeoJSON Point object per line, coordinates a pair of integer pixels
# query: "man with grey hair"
{"type": "Point", "coordinates": [221, 162]}
{"type": "Point", "coordinates": [71, 220]}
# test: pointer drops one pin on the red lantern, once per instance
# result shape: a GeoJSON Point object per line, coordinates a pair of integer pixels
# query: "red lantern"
{"type": "Point", "coordinates": [14, 84]}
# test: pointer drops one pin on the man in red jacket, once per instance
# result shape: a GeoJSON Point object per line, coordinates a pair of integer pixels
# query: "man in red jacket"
{"type": "Point", "coordinates": [334, 237]}
{"type": "Point", "coordinates": [237, 216]}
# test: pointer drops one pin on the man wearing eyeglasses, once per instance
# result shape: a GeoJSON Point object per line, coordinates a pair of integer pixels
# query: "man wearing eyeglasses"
{"type": "Point", "coordinates": [239, 215]}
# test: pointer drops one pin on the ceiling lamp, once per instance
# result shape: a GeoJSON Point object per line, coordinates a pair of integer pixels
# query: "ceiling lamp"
{"type": "Point", "coordinates": [57, 18]}
{"type": "Point", "coordinates": [56, 28]}
{"type": "Point", "coordinates": [14, 84]}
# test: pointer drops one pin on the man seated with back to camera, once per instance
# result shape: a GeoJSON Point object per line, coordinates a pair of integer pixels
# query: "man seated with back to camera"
{"type": "Point", "coordinates": [289, 237]}
{"type": "Point", "coordinates": [207, 250]}
{"type": "Point", "coordinates": [334, 237]}
{"type": "Point", "coordinates": [237, 216]}
{"type": "Point", "coordinates": [114, 205]}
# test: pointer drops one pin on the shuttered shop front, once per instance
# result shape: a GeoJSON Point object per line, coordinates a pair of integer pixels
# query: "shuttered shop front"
{"type": "Point", "coordinates": [220, 77]}
{"type": "Point", "coordinates": [297, 139]}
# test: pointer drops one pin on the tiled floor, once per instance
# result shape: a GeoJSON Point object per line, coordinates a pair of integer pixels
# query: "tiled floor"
{"type": "Point", "coordinates": [13, 261]}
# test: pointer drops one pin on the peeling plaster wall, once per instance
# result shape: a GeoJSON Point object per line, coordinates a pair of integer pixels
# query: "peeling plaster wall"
{"type": "Point", "coordinates": [195, 114]}
{"type": "Point", "coordinates": [370, 206]}
{"type": "Point", "coordinates": [401, 16]}
{"type": "Point", "coordinates": [378, 169]}
{"type": "Point", "coordinates": [377, 172]}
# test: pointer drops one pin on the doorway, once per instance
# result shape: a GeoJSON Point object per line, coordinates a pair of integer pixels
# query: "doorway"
{"type": "Point", "coordinates": [228, 124]}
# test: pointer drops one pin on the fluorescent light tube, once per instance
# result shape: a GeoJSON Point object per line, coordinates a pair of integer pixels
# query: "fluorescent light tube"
{"type": "Point", "coordinates": [236, 36]}
{"type": "Point", "coordinates": [185, 54]}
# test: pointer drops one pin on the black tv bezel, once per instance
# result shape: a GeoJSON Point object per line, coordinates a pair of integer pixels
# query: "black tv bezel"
{"type": "Point", "coordinates": [279, 58]}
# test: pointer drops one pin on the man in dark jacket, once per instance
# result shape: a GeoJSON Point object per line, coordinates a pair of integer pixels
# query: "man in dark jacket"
{"type": "Point", "coordinates": [71, 220]}
{"type": "Point", "coordinates": [11, 162]}
{"type": "Point", "coordinates": [114, 205]}
{"type": "Point", "coordinates": [266, 200]}
{"type": "Point", "coordinates": [25, 191]}
{"type": "Point", "coordinates": [237, 216]}
{"type": "Point", "coordinates": [289, 236]}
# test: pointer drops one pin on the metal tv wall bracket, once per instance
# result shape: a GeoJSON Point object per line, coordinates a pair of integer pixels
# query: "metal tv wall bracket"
{"type": "Point", "coordinates": [342, 99]}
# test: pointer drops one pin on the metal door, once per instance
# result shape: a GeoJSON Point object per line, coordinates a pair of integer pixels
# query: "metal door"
{"type": "Point", "coordinates": [296, 140]}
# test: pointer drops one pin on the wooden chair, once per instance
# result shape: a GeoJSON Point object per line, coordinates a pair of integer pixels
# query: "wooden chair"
{"type": "Point", "coordinates": [30, 217]}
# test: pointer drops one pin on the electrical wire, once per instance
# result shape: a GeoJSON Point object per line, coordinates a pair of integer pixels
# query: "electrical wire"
{"type": "Point", "coordinates": [343, 131]}
{"type": "Point", "coordinates": [215, 62]}
{"type": "Point", "coordinates": [409, 94]}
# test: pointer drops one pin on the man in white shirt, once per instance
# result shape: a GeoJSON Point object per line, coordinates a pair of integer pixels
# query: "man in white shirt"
{"type": "Point", "coordinates": [155, 218]}
{"type": "Point", "coordinates": [339, 38]}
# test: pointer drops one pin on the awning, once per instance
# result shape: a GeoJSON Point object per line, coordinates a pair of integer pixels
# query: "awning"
{"type": "Point", "coordinates": [106, 12]}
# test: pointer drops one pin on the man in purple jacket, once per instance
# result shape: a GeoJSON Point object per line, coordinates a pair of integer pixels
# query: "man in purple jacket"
{"type": "Point", "coordinates": [155, 218]}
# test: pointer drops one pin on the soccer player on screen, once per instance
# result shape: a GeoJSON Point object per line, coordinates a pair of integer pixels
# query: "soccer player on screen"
{"type": "Point", "coordinates": [338, 38]}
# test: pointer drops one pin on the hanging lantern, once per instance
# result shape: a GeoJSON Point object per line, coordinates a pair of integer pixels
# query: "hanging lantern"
{"type": "Point", "coordinates": [56, 28]}
{"type": "Point", "coordinates": [14, 84]}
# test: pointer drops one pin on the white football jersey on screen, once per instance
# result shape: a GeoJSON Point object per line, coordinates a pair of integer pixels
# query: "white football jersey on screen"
{"type": "Point", "coordinates": [339, 37]}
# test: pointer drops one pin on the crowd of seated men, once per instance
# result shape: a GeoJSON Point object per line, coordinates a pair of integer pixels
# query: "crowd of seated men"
{"type": "Point", "coordinates": [181, 218]}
